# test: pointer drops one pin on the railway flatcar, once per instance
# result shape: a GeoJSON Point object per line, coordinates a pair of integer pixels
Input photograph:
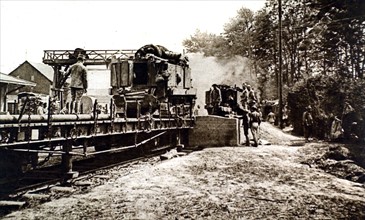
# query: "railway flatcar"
{"type": "Point", "coordinates": [150, 106]}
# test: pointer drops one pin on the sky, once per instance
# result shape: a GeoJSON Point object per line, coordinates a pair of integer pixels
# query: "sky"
{"type": "Point", "coordinates": [29, 27]}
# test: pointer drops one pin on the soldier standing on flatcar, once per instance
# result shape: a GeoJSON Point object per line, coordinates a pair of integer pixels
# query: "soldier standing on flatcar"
{"type": "Point", "coordinates": [161, 81]}
{"type": "Point", "coordinates": [215, 98]}
{"type": "Point", "coordinates": [79, 83]}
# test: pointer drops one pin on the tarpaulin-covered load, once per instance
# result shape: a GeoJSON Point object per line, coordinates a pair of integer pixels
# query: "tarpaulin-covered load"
{"type": "Point", "coordinates": [163, 52]}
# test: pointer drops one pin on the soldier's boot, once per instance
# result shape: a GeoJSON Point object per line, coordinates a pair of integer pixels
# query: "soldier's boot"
{"type": "Point", "coordinates": [77, 108]}
{"type": "Point", "coordinates": [72, 105]}
{"type": "Point", "coordinates": [248, 141]}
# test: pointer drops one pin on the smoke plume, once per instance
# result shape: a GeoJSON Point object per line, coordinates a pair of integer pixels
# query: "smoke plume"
{"type": "Point", "coordinates": [209, 70]}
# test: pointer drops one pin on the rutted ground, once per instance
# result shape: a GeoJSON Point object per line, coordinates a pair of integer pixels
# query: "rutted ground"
{"type": "Point", "coordinates": [271, 181]}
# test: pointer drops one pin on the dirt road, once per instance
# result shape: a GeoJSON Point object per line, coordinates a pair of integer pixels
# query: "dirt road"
{"type": "Point", "coordinates": [269, 182]}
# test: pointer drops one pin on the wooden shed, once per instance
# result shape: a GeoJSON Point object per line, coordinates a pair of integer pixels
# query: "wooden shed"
{"type": "Point", "coordinates": [10, 84]}
{"type": "Point", "coordinates": [39, 73]}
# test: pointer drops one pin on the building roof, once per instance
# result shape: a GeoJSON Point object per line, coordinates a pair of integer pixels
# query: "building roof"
{"type": "Point", "coordinates": [4, 78]}
{"type": "Point", "coordinates": [43, 69]}
{"type": "Point", "coordinates": [46, 70]}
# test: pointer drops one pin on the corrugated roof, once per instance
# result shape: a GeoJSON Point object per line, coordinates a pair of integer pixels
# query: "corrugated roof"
{"type": "Point", "coordinates": [4, 78]}
{"type": "Point", "coordinates": [46, 70]}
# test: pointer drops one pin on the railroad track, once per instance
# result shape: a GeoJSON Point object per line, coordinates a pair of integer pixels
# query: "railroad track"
{"type": "Point", "coordinates": [41, 181]}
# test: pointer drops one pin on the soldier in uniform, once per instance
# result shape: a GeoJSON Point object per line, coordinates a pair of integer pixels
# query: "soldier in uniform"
{"type": "Point", "coordinates": [215, 98]}
{"type": "Point", "coordinates": [255, 121]}
{"type": "Point", "coordinates": [244, 96]}
{"type": "Point", "coordinates": [79, 83]}
{"type": "Point", "coordinates": [245, 123]}
{"type": "Point", "coordinates": [252, 100]}
{"type": "Point", "coordinates": [308, 123]}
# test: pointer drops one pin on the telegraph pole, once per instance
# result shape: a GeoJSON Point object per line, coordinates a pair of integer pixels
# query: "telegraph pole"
{"type": "Point", "coordinates": [280, 75]}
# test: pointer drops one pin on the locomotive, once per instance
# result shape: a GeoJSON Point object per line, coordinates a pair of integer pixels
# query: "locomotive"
{"type": "Point", "coordinates": [151, 102]}
{"type": "Point", "coordinates": [229, 104]}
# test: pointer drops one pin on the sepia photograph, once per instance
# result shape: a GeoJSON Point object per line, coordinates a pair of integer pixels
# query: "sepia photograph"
{"type": "Point", "coordinates": [149, 110]}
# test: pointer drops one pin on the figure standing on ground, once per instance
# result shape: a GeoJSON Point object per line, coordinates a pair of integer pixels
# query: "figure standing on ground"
{"type": "Point", "coordinates": [285, 115]}
{"type": "Point", "coordinates": [335, 127]}
{"type": "Point", "coordinates": [255, 121]}
{"type": "Point", "coordinates": [308, 123]}
{"type": "Point", "coordinates": [79, 83]}
{"type": "Point", "coordinates": [252, 100]}
{"type": "Point", "coordinates": [271, 117]}
{"type": "Point", "coordinates": [245, 123]}
{"type": "Point", "coordinates": [244, 96]}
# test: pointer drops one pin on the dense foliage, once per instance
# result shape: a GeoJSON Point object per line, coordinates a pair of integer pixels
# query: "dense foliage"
{"type": "Point", "coordinates": [327, 95]}
{"type": "Point", "coordinates": [321, 38]}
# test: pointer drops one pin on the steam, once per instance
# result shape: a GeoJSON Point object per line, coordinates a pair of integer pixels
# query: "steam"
{"type": "Point", "coordinates": [209, 70]}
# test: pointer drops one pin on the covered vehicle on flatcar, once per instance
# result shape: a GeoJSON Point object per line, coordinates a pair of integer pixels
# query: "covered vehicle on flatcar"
{"type": "Point", "coordinates": [159, 78]}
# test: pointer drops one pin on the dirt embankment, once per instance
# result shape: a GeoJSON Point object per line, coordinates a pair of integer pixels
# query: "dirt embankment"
{"type": "Point", "coordinates": [268, 182]}
{"type": "Point", "coordinates": [345, 161]}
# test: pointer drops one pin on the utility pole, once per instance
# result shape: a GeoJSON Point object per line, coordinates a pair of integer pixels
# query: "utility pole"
{"type": "Point", "coordinates": [280, 75]}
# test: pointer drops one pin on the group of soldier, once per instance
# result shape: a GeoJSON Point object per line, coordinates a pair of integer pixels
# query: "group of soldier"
{"type": "Point", "coordinates": [348, 127]}
{"type": "Point", "coordinates": [251, 115]}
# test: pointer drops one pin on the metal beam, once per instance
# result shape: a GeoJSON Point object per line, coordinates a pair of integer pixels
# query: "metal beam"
{"type": "Point", "coordinates": [93, 57]}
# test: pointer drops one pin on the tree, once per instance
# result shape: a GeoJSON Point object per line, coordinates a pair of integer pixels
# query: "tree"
{"type": "Point", "coordinates": [238, 32]}
{"type": "Point", "coordinates": [337, 32]}
{"type": "Point", "coordinates": [319, 37]}
{"type": "Point", "coordinates": [203, 42]}
{"type": "Point", "coordinates": [237, 38]}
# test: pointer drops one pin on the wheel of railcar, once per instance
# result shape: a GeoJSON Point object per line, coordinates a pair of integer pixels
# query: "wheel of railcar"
{"type": "Point", "coordinates": [13, 164]}
{"type": "Point", "coordinates": [33, 159]}
{"type": "Point", "coordinates": [101, 144]}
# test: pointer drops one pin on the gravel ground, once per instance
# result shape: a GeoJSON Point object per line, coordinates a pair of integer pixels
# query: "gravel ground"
{"type": "Point", "coordinates": [275, 181]}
